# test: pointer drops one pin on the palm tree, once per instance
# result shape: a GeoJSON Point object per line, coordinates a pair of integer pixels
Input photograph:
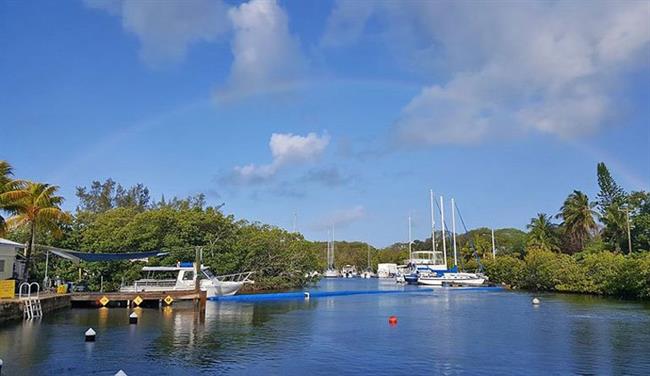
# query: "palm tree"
{"type": "Point", "coordinates": [578, 218]}
{"type": "Point", "coordinates": [8, 192]}
{"type": "Point", "coordinates": [36, 205]}
{"type": "Point", "coordinates": [542, 233]}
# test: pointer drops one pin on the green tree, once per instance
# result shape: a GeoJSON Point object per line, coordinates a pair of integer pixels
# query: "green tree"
{"type": "Point", "coordinates": [578, 220]}
{"type": "Point", "coordinates": [610, 193]}
{"type": "Point", "coordinates": [639, 207]}
{"type": "Point", "coordinates": [542, 233]}
{"type": "Point", "coordinates": [614, 233]}
{"type": "Point", "coordinates": [101, 197]}
{"type": "Point", "coordinates": [37, 207]}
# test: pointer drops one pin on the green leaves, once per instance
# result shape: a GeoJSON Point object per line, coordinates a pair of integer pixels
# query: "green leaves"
{"type": "Point", "coordinates": [603, 273]}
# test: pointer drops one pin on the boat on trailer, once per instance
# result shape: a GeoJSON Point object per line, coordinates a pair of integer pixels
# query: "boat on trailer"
{"type": "Point", "coordinates": [182, 278]}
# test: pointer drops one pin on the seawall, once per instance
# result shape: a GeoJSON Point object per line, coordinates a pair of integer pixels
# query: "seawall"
{"type": "Point", "coordinates": [12, 309]}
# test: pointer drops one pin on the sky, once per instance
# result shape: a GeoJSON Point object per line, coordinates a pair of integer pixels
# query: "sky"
{"type": "Point", "coordinates": [337, 113]}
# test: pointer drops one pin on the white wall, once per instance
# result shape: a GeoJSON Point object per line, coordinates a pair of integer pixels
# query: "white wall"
{"type": "Point", "coordinates": [8, 255]}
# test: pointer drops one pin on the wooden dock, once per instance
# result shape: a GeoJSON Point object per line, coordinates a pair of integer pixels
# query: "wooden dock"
{"type": "Point", "coordinates": [130, 299]}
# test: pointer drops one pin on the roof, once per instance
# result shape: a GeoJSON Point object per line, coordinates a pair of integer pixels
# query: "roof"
{"type": "Point", "coordinates": [12, 243]}
{"type": "Point", "coordinates": [94, 257]}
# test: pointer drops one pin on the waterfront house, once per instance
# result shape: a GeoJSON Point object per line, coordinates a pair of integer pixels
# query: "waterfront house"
{"type": "Point", "coordinates": [9, 250]}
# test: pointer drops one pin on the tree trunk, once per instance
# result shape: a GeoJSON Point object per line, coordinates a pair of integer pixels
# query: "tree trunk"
{"type": "Point", "coordinates": [30, 249]}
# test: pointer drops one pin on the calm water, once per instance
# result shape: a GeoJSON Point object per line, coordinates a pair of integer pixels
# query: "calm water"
{"type": "Point", "coordinates": [444, 332]}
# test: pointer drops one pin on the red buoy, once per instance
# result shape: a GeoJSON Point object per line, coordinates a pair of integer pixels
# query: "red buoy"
{"type": "Point", "coordinates": [392, 320]}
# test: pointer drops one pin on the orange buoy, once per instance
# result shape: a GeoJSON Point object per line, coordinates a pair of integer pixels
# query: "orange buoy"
{"type": "Point", "coordinates": [392, 320]}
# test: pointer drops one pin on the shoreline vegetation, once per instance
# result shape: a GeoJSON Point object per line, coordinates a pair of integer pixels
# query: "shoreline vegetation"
{"type": "Point", "coordinates": [596, 247]}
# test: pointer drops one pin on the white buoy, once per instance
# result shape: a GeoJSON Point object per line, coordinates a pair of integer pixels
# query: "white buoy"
{"type": "Point", "coordinates": [133, 318]}
{"type": "Point", "coordinates": [536, 301]}
{"type": "Point", "coordinates": [121, 373]}
{"type": "Point", "coordinates": [307, 296]}
{"type": "Point", "coordinates": [90, 335]}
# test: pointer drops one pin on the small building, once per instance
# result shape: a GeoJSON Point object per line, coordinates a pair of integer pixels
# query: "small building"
{"type": "Point", "coordinates": [8, 253]}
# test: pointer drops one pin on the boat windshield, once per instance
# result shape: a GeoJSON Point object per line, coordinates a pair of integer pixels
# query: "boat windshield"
{"type": "Point", "coordinates": [208, 273]}
{"type": "Point", "coordinates": [163, 275]}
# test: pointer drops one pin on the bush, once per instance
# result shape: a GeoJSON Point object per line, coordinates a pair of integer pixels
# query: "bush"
{"type": "Point", "coordinates": [505, 269]}
{"type": "Point", "coordinates": [593, 272]}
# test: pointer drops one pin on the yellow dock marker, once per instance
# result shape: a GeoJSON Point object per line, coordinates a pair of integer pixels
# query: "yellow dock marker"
{"type": "Point", "coordinates": [137, 300]}
{"type": "Point", "coordinates": [169, 300]}
{"type": "Point", "coordinates": [104, 300]}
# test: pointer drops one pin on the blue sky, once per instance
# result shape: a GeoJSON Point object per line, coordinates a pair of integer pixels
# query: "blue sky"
{"type": "Point", "coordinates": [346, 113]}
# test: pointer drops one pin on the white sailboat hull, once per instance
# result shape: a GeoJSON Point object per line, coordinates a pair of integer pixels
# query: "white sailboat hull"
{"type": "Point", "coordinates": [465, 279]}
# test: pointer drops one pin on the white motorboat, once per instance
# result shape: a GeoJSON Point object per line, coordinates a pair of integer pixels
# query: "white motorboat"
{"type": "Point", "coordinates": [331, 273]}
{"type": "Point", "coordinates": [368, 274]}
{"type": "Point", "coordinates": [386, 270]}
{"type": "Point", "coordinates": [349, 271]}
{"type": "Point", "coordinates": [182, 278]}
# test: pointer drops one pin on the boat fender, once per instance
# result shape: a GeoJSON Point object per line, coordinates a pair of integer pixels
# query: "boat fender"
{"type": "Point", "coordinates": [90, 335]}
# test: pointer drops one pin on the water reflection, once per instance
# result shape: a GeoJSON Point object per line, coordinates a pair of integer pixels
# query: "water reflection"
{"type": "Point", "coordinates": [229, 329]}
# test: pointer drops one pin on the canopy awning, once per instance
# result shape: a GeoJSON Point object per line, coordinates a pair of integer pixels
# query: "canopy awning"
{"type": "Point", "coordinates": [97, 257]}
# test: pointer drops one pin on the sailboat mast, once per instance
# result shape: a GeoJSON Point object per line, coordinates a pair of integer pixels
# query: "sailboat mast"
{"type": "Point", "coordinates": [329, 249]}
{"type": "Point", "coordinates": [410, 241]}
{"type": "Point", "coordinates": [433, 228]}
{"type": "Point", "coordinates": [333, 243]}
{"type": "Point", "coordinates": [494, 249]}
{"type": "Point", "coordinates": [368, 256]}
{"type": "Point", "coordinates": [453, 228]}
{"type": "Point", "coordinates": [442, 219]}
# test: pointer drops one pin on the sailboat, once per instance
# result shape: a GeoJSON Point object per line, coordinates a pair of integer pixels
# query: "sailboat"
{"type": "Point", "coordinates": [423, 263]}
{"type": "Point", "coordinates": [445, 276]}
{"type": "Point", "coordinates": [368, 273]}
{"type": "Point", "coordinates": [331, 272]}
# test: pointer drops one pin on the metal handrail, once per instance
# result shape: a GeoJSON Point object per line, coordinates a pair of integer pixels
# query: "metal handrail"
{"type": "Point", "coordinates": [29, 289]}
{"type": "Point", "coordinates": [236, 277]}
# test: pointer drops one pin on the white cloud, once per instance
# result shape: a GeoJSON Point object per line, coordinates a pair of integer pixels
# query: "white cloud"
{"type": "Point", "coordinates": [265, 53]}
{"type": "Point", "coordinates": [167, 28]}
{"type": "Point", "coordinates": [286, 149]}
{"type": "Point", "coordinates": [507, 67]}
{"type": "Point", "coordinates": [341, 218]}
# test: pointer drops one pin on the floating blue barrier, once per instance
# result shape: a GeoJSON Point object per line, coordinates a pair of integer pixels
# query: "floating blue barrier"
{"type": "Point", "coordinates": [312, 294]}
{"type": "Point", "coordinates": [322, 294]}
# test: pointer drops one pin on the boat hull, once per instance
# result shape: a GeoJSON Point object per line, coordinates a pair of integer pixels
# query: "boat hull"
{"type": "Point", "coordinates": [411, 279]}
{"type": "Point", "coordinates": [224, 288]}
{"type": "Point", "coordinates": [331, 274]}
{"type": "Point", "coordinates": [465, 279]}
{"type": "Point", "coordinates": [212, 289]}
